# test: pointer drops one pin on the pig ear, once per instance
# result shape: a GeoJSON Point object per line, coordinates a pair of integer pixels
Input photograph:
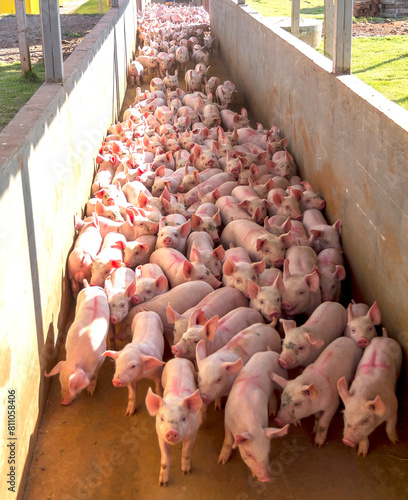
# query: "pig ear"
{"type": "Point", "coordinates": [272, 432]}
{"type": "Point", "coordinates": [229, 267]}
{"type": "Point", "coordinates": [172, 315]}
{"type": "Point", "coordinates": [277, 199]}
{"type": "Point", "coordinates": [241, 439]}
{"type": "Point", "coordinates": [243, 204]}
{"type": "Point", "coordinates": [315, 342]}
{"type": "Point", "coordinates": [57, 368]}
{"type": "Point", "coordinates": [193, 321]}
{"type": "Point", "coordinates": [377, 405]}
{"type": "Point", "coordinates": [153, 402]}
{"type": "Point", "coordinates": [278, 283]}
{"type": "Point", "coordinates": [188, 269]}
{"type": "Point", "coordinates": [342, 388]}
{"type": "Point", "coordinates": [161, 283]}
{"type": "Point", "coordinates": [149, 362]}
{"type": "Point", "coordinates": [315, 233]}
{"type": "Point", "coordinates": [217, 218]}
{"type": "Point", "coordinates": [185, 229]}
{"type": "Point", "coordinates": [195, 255]}
{"type": "Point", "coordinates": [337, 226]}
{"type": "Point", "coordinates": [286, 271]}
{"type": "Point", "coordinates": [130, 290]}
{"type": "Point", "coordinates": [78, 381]}
{"type": "Point", "coordinates": [260, 243]}
{"type": "Point", "coordinates": [116, 263]}
{"type": "Point", "coordinates": [99, 208]}
{"type": "Point", "coordinates": [111, 354]}
{"type": "Point", "coordinates": [218, 253]}
{"type": "Point", "coordinates": [287, 324]}
{"type": "Point", "coordinates": [201, 353]}
{"type": "Point", "coordinates": [210, 328]}
{"type": "Point", "coordinates": [162, 222]}
{"type": "Point", "coordinates": [296, 193]}
{"type": "Point", "coordinates": [374, 314]}
{"type": "Point", "coordinates": [259, 267]}
{"type": "Point", "coordinates": [350, 312]}
{"type": "Point", "coordinates": [138, 271]}
{"type": "Point", "coordinates": [312, 281]}
{"type": "Point", "coordinates": [340, 274]}
{"type": "Point", "coordinates": [253, 289]}
{"type": "Point", "coordinates": [195, 221]}
{"type": "Point", "coordinates": [286, 239]}
{"type": "Point", "coordinates": [233, 368]}
{"type": "Point", "coordinates": [310, 391]}
{"type": "Point", "coordinates": [193, 402]}
{"type": "Point", "coordinates": [281, 381]}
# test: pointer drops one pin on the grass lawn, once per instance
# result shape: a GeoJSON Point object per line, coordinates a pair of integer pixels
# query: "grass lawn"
{"type": "Point", "coordinates": [92, 7]}
{"type": "Point", "coordinates": [381, 62]}
{"type": "Point", "coordinates": [283, 8]}
{"type": "Point", "coordinates": [16, 90]}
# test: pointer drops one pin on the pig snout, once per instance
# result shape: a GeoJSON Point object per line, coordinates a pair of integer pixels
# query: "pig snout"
{"type": "Point", "coordinates": [172, 436]}
{"type": "Point", "coordinates": [136, 300]}
{"type": "Point", "coordinates": [175, 350]}
{"type": "Point", "coordinates": [205, 399]}
{"type": "Point", "coordinates": [349, 443]}
{"type": "Point", "coordinates": [128, 263]}
{"type": "Point", "coordinates": [113, 320]}
{"type": "Point", "coordinates": [66, 402]}
{"type": "Point", "coordinates": [287, 306]}
{"type": "Point", "coordinates": [117, 382]}
{"type": "Point", "coordinates": [278, 262]}
{"type": "Point", "coordinates": [362, 342]}
{"type": "Point", "coordinates": [279, 422]}
{"type": "Point", "coordinates": [283, 363]}
{"type": "Point", "coordinates": [264, 477]}
{"type": "Point", "coordinates": [167, 242]}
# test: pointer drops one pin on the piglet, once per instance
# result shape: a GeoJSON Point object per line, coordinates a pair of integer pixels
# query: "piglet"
{"type": "Point", "coordinates": [361, 323]}
{"type": "Point", "coordinates": [120, 287]}
{"type": "Point", "coordinates": [314, 391]}
{"type": "Point", "coordinates": [332, 272]}
{"type": "Point", "coordinates": [246, 414]}
{"type": "Point", "coordinates": [177, 414]}
{"type": "Point", "coordinates": [150, 281]}
{"type": "Point", "coordinates": [109, 258]}
{"type": "Point", "coordinates": [302, 345]}
{"type": "Point", "coordinates": [218, 371]}
{"type": "Point", "coordinates": [371, 399]}
{"type": "Point", "coordinates": [142, 358]}
{"type": "Point", "coordinates": [324, 236]}
{"type": "Point", "coordinates": [85, 344]}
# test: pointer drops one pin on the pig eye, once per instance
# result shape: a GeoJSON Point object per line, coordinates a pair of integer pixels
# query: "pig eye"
{"type": "Point", "coordinates": [261, 301]}
{"type": "Point", "coordinates": [161, 419]}
{"type": "Point", "coordinates": [283, 249]}
{"type": "Point", "coordinates": [353, 330]}
{"type": "Point", "coordinates": [370, 329]}
{"type": "Point", "coordinates": [239, 280]}
{"type": "Point", "coordinates": [183, 419]}
{"type": "Point", "coordinates": [207, 273]}
{"type": "Point", "coordinates": [267, 250]}
{"type": "Point", "coordinates": [278, 300]}
{"type": "Point", "coordinates": [301, 292]}
{"type": "Point", "coordinates": [218, 380]}
{"type": "Point", "coordinates": [365, 421]}
{"type": "Point", "coordinates": [296, 404]}
{"type": "Point", "coordinates": [300, 348]}
{"type": "Point", "coordinates": [133, 366]}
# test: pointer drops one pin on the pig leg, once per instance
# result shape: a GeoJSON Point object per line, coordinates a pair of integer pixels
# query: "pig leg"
{"type": "Point", "coordinates": [157, 385]}
{"type": "Point", "coordinates": [390, 429]}
{"type": "Point", "coordinates": [132, 405]}
{"type": "Point", "coordinates": [111, 340]}
{"type": "Point", "coordinates": [203, 413]}
{"type": "Point", "coordinates": [186, 455]}
{"type": "Point", "coordinates": [75, 288]}
{"type": "Point", "coordinates": [316, 422]}
{"type": "Point", "coordinates": [217, 404]}
{"type": "Point", "coordinates": [165, 449]}
{"type": "Point", "coordinates": [363, 447]}
{"type": "Point", "coordinates": [323, 426]}
{"type": "Point", "coordinates": [226, 447]}
{"type": "Point", "coordinates": [92, 383]}
{"type": "Point", "coordinates": [272, 405]}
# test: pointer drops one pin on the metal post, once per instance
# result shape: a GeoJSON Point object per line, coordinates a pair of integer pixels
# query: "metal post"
{"type": "Point", "coordinates": [115, 3]}
{"type": "Point", "coordinates": [343, 24]}
{"type": "Point", "coordinates": [22, 36]}
{"type": "Point", "coordinates": [51, 38]}
{"type": "Point", "coordinates": [295, 17]}
{"type": "Point", "coordinates": [328, 28]}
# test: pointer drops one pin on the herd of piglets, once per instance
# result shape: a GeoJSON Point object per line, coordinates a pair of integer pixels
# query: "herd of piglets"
{"type": "Point", "coordinates": [200, 233]}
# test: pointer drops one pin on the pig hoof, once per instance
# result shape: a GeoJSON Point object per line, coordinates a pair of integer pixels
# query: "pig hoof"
{"type": "Point", "coordinates": [130, 411]}
{"type": "Point", "coordinates": [162, 483]}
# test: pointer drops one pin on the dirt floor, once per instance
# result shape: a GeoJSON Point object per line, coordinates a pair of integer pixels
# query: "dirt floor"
{"type": "Point", "coordinates": [75, 27]}
{"type": "Point", "coordinates": [91, 451]}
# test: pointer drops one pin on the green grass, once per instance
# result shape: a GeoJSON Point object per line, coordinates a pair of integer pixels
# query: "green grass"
{"type": "Point", "coordinates": [283, 8]}
{"type": "Point", "coordinates": [92, 7]}
{"type": "Point", "coordinates": [383, 64]}
{"type": "Point", "coordinates": [16, 90]}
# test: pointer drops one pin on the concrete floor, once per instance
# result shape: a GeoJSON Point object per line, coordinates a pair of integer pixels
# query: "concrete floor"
{"type": "Point", "coordinates": [91, 451]}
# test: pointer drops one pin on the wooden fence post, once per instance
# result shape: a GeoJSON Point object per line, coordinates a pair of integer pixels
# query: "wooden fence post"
{"type": "Point", "coordinates": [22, 36]}
{"type": "Point", "coordinates": [343, 25]}
{"type": "Point", "coordinates": [51, 37]}
{"type": "Point", "coordinates": [328, 28]}
{"type": "Point", "coordinates": [295, 17]}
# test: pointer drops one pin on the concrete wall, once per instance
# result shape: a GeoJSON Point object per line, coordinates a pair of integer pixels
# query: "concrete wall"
{"type": "Point", "coordinates": [348, 140]}
{"type": "Point", "coordinates": [46, 167]}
